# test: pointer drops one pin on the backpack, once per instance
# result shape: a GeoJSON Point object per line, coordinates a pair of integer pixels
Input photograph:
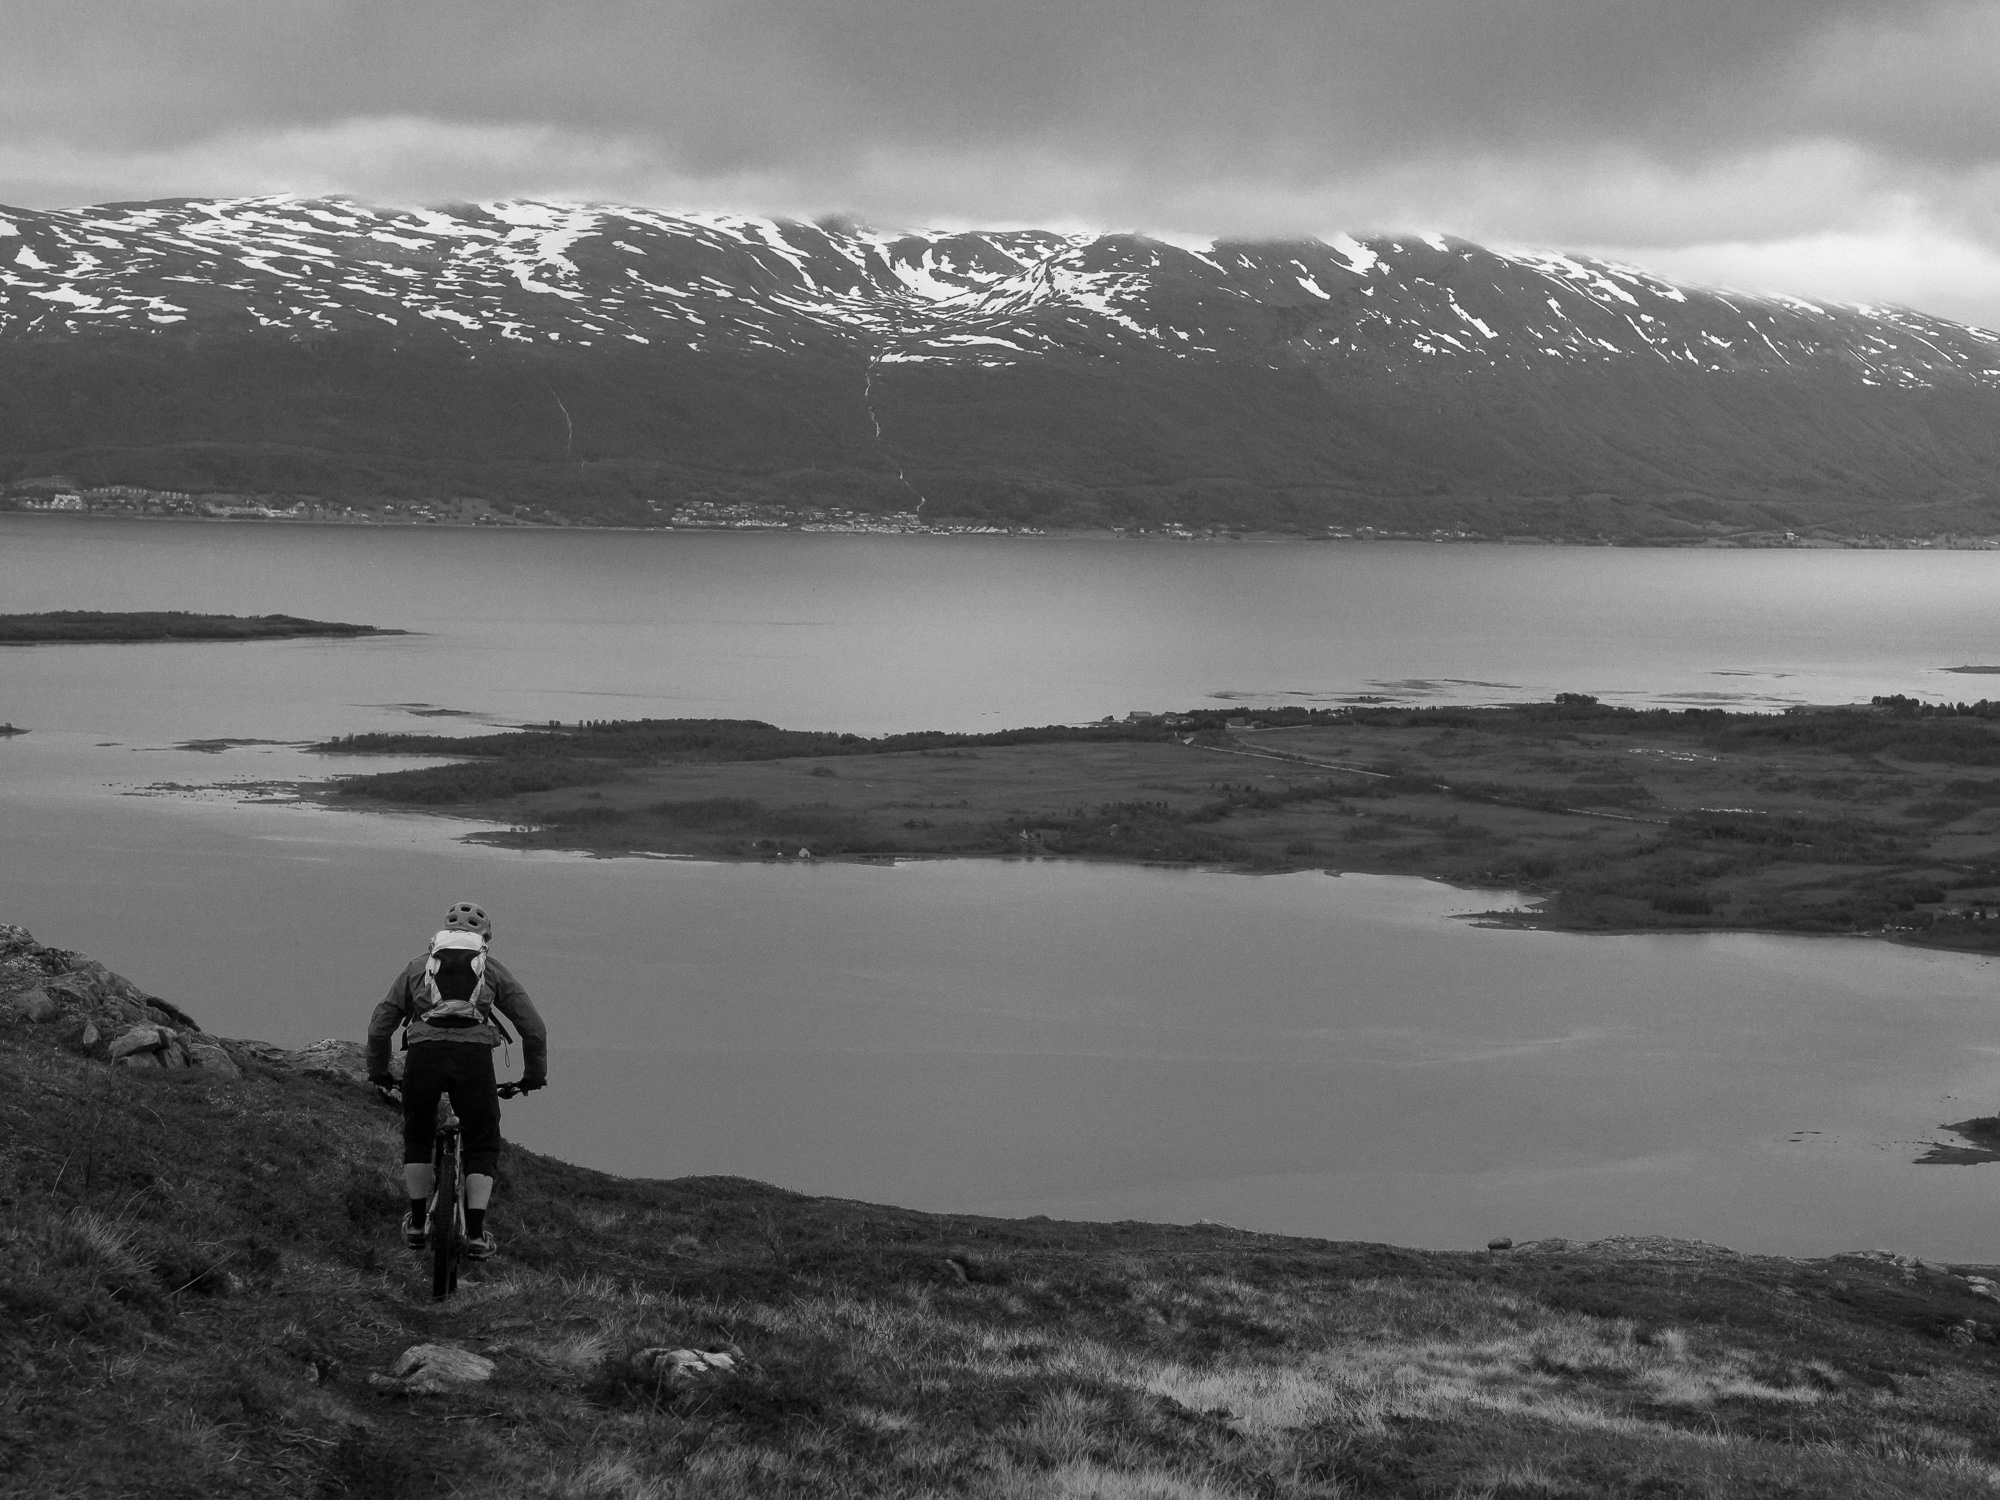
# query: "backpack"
{"type": "Point", "coordinates": [433, 1007]}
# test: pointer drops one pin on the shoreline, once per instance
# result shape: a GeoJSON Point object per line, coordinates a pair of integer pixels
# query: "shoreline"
{"type": "Point", "coordinates": [1750, 542]}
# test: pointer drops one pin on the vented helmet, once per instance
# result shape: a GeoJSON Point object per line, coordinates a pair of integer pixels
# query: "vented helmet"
{"type": "Point", "coordinates": [470, 917]}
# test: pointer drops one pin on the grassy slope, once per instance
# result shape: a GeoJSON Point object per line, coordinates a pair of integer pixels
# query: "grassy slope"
{"type": "Point", "coordinates": [164, 625]}
{"type": "Point", "coordinates": [197, 1273]}
{"type": "Point", "coordinates": [1869, 820]}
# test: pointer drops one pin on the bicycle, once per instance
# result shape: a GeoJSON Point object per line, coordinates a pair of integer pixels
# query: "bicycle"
{"type": "Point", "coordinates": [444, 1214]}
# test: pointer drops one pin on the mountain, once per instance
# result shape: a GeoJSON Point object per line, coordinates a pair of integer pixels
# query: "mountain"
{"type": "Point", "coordinates": [204, 1293]}
{"type": "Point", "coordinates": [614, 364]}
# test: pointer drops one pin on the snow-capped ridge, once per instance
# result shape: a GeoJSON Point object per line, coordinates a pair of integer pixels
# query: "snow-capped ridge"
{"type": "Point", "coordinates": [710, 283]}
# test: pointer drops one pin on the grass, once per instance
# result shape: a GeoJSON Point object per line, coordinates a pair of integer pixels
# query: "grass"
{"type": "Point", "coordinates": [197, 1275]}
{"type": "Point", "coordinates": [1881, 820]}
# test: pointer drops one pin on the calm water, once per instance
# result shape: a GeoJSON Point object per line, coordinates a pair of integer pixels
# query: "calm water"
{"type": "Point", "coordinates": [1335, 1056]}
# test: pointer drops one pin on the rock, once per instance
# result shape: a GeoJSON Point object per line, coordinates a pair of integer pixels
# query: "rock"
{"type": "Point", "coordinates": [138, 1039]}
{"type": "Point", "coordinates": [210, 1057]}
{"type": "Point", "coordinates": [91, 1036]}
{"type": "Point", "coordinates": [99, 1000]}
{"type": "Point", "coordinates": [1501, 1243]}
{"type": "Point", "coordinates": [36, 1005]}
{"type": "Point", "coordinates": [679, 1366]}
{"type": "Point", "coordinates": [172, 1014]}
{"type": "Point", "coordinates": [343, 1061]}
{"type": "Point", "coordinates": [16, 940]}
{"type": "Point", "coordinates": [139, 1060]}
{"type": "Point", "coordinates": [1963, 1333]}
{"type": "Point", "coordinates": [432, 1369]}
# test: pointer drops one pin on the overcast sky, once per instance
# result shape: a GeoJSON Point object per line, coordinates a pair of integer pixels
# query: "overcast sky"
{"type": "Point", "coordinates": [1840, 148]}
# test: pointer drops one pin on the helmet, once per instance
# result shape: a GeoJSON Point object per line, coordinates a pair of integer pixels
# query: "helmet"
{"type": "Point", "coordinates": [470, 917]}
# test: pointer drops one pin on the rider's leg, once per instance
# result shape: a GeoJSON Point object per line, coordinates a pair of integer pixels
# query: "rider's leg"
{"type": "Point", "coordinates": [422, 1083]}
{"type": "Point", "coordinates": [473, 1095]}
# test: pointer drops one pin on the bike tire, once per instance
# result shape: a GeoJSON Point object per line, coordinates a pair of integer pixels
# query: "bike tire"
{"type": "Point", "coordinates": [446, 1234]}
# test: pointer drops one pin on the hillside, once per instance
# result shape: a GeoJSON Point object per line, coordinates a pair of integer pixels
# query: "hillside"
{"type": "Point", "coordinates": [202, 1294]}
{"type": "Point", "coordinates": [624, 365]}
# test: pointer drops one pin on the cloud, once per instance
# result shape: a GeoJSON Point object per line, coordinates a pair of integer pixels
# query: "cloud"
{"type": "Point", "coordinates": [1785, 132]}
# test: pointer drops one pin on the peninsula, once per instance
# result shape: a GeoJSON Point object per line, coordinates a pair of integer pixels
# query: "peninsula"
{"type": "Point", "coordinates": [91, 626]}
{"type": "Point", "coordinates": [1881, 819]}
{"type": "Point", "coordinates": [205, 1293]}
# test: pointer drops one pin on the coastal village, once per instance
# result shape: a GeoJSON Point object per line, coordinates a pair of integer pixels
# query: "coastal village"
{"type": "Point", "coordinates": [63, 494]}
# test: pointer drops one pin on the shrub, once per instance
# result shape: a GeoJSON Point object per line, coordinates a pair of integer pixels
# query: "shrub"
{"type": "Point", "coordinates": [1682, 903]}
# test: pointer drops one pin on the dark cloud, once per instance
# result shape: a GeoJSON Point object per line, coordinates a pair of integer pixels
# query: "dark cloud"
{"type": "Point", "coordinates": [1639, 123]}
{"type": "Point", "coordinates": [766, 81]}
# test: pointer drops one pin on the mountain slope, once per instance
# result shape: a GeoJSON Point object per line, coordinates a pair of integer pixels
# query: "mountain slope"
{"type": "Point", "coordinates": [618, 362]}
{"type": "Point", "coordinates": [202, 1291]}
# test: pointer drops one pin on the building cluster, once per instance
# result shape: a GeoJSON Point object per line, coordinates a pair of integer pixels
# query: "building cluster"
{"type": "Point", "coordinates": [1142, 716]}
{"type": "Point", "coordinates": [744, 515]}
{"type": "Point", "coordinates": [110, 497]}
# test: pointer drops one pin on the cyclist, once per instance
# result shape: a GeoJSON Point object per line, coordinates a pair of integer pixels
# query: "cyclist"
{"type": "Point", "coordinates": [445, 1002]}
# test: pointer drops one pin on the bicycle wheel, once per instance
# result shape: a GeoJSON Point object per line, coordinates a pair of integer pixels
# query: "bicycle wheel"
{"type": "Point", "coordinates": [447, 1231]}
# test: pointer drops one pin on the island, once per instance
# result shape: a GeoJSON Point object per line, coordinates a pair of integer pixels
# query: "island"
{"type": "Point", "coordinates": [1881, 819]}
{"type": "Point", "coordinates": [92, 626]}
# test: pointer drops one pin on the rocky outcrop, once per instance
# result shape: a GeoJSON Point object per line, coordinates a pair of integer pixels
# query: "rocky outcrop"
{"type": "Point", "coordinates": [55, 987]}
{"type": "Point", "coordinates": [108, 1017]}
{"type": "Point", "coordinates": [331, 1058]}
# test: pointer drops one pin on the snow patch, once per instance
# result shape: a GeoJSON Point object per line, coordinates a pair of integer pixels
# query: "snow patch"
{"type": "Point", "coordinates": [1360, 259]}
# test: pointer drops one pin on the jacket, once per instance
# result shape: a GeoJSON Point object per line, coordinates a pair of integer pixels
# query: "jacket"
{"type": "Point", "coordinates": [508, 998]}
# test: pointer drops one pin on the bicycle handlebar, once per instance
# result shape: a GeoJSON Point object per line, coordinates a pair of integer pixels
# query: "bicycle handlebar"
{"type": "Point", "coordinates": [505, 1091]}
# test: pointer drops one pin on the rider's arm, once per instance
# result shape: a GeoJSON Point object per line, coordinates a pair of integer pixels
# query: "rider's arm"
{"type": "Point", "coordinates": [512, 1002]}
{"type": "Point", "coordinates": [382, 1025]}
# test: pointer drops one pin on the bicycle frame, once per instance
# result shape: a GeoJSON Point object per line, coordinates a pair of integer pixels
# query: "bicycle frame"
{"type": "Point", "coordinates": [445, 1215]}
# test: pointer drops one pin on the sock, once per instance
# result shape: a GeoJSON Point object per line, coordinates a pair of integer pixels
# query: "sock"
{"type": "Point", "coordinates": [418, 1206]}
{"type": "Point", "coordinates": [475, 1221]}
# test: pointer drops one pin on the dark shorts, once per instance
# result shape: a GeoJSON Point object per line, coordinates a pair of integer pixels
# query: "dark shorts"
{"type": "Point", "coordinates": [464, 1070]}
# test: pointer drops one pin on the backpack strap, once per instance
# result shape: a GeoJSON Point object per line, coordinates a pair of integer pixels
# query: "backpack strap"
{"type": "Point", "coordinates": [411, 1006]}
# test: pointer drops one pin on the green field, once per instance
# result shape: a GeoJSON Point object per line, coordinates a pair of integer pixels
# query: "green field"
{"type": "Point", "coordinates": [1882, 819]}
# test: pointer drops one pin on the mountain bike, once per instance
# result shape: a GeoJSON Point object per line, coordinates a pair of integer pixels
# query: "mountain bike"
{"type": "Point", "coordinates": [444, 1215]}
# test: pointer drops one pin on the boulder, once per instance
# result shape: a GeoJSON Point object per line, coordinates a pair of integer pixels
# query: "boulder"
{"type": "Point", "coordinates": [137, 1039]}
{"type": "Point", "coordinates": [139, 1060]}
{"type": "Point", "coordinates": [36, 1005]}
{"type": "Point", "coordinates": [16, 940]}
{"type": "Point", "coordinates": [434, 1369]}
{"type": "Point", "coordinates": [209, 1055]}
{"type": "Point", "coordinates": [683, 1366]}
{"type": "Point", "coordinates": [103, 1002]}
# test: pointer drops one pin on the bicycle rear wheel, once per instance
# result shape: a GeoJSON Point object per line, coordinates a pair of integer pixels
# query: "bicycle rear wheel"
{"type": "Point", "coordinates": [447, 1233]}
